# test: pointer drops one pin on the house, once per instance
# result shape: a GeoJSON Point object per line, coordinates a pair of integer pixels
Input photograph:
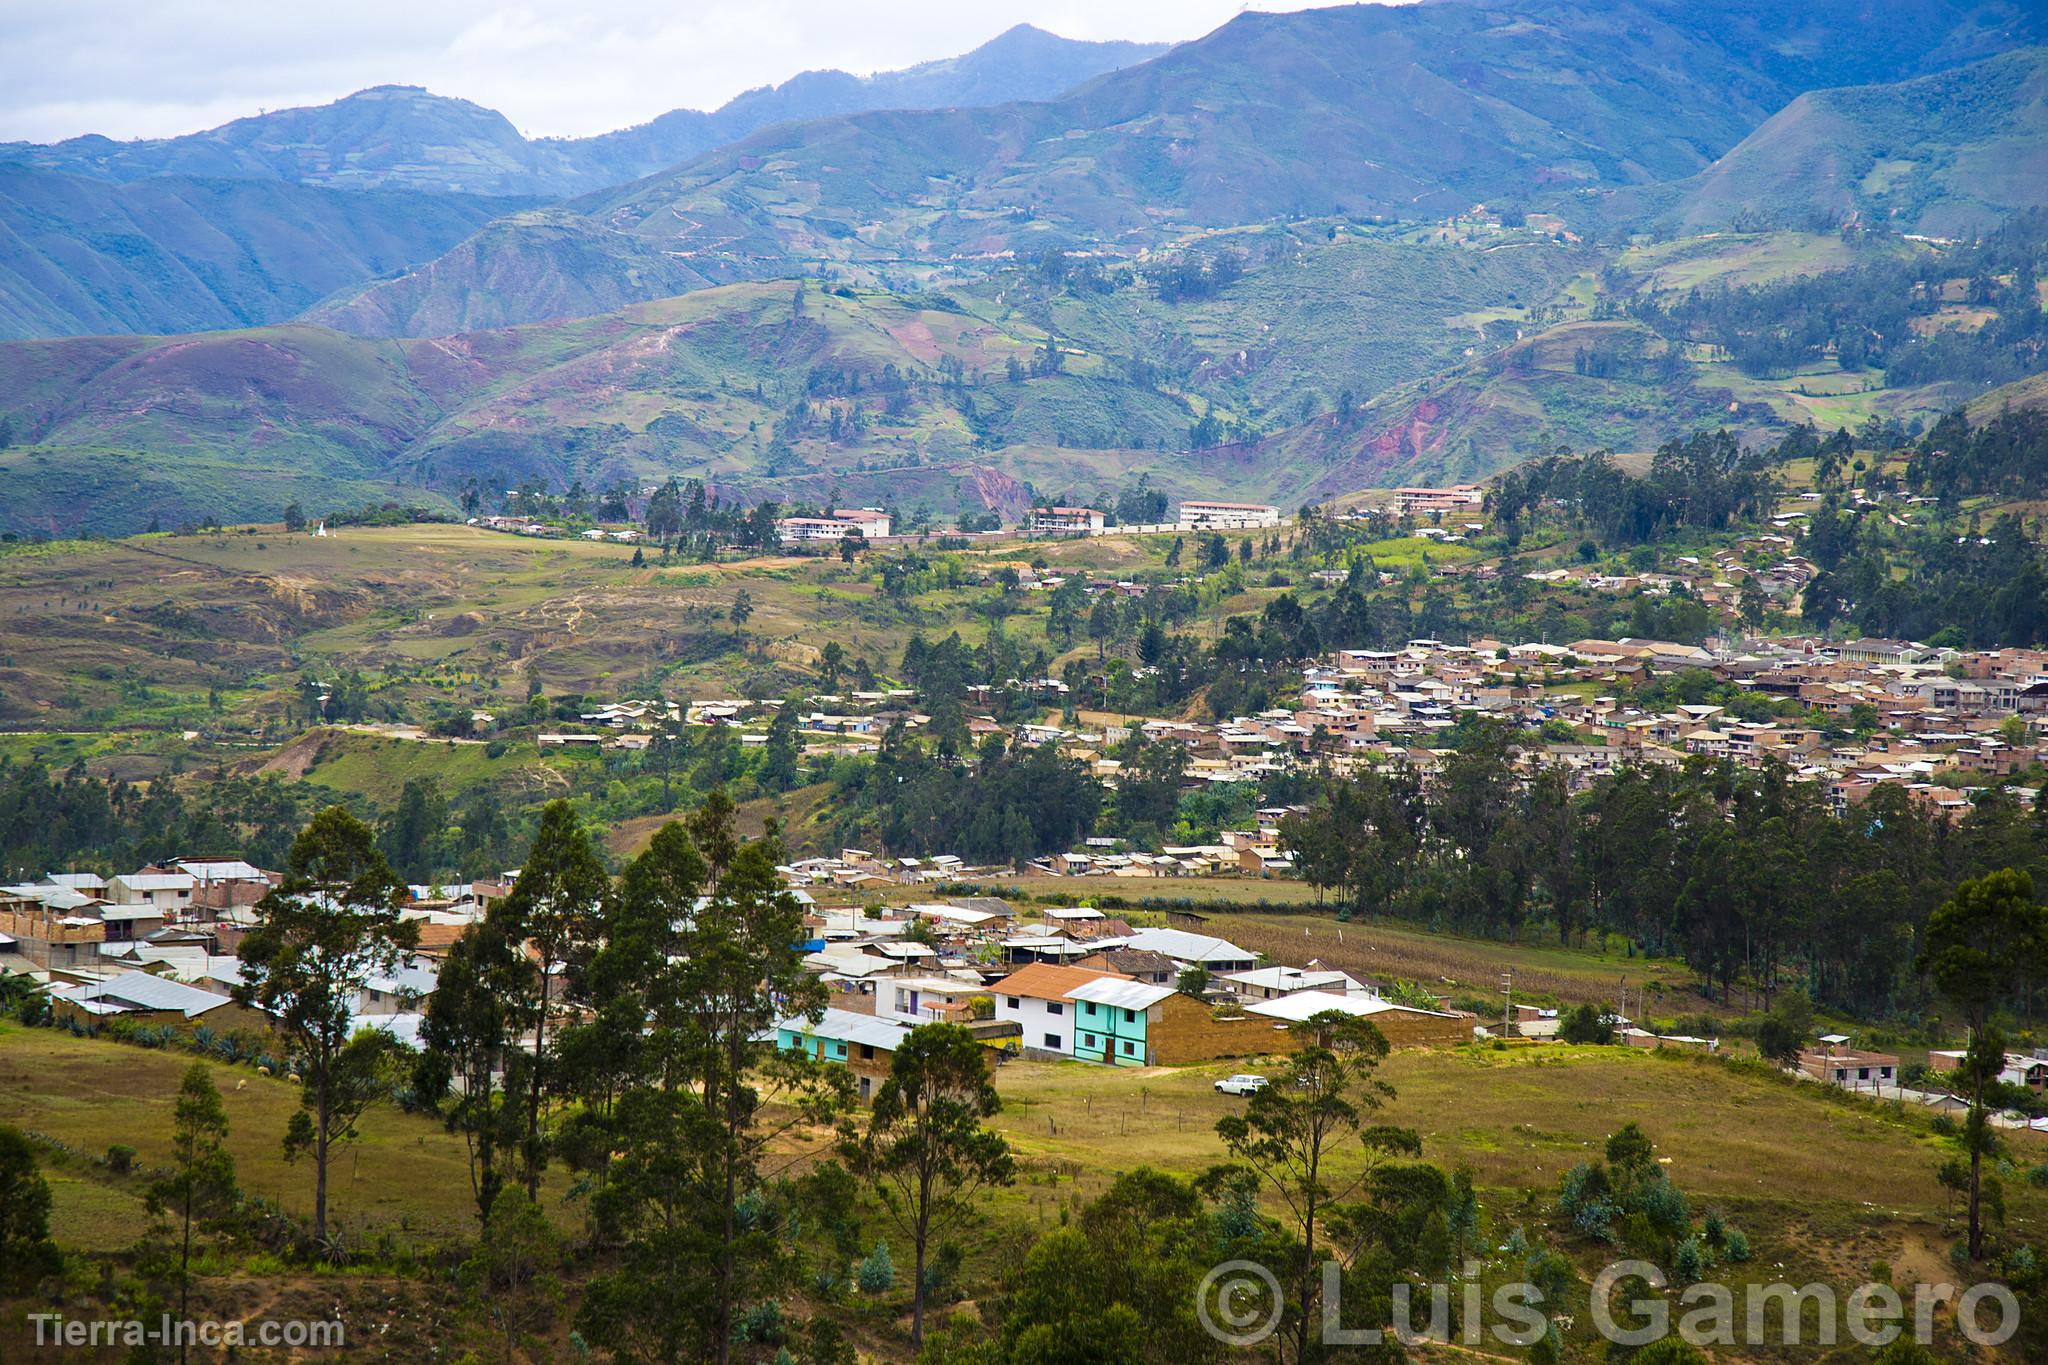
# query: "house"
{"type": "Point", "coordinates": [1139, 964]}
{"type": "Point", "coordinates": [1066, 521]}
{"type": "Point", "coordinates": [1217, 956]}
{"type": "Point", "coordinates": [1227, 516]}
{"type": "Point", "coordinates": [872, 522]}
{"type": "Point", "coordinates": [1035, 997]}
{"type": "Point", "coordinates": [1402, 1024]}
{"type": "Point", "coordinates": [863, 1044]}
{"type": "Point", "coordinates": [149, 999]}
{"type": "Point", "coordinates": [165, 892]}
{"type": "Point", "coordinates": [1270, 983]}
{"type": "Point", "coordinates": [1848, 1068]}
{"type": "Point", "coordinates": [49, 927]}
{"type": "Point", "coordinates": [924, 999]}
{"type": "Point", "coordinates": [1110, 1020]}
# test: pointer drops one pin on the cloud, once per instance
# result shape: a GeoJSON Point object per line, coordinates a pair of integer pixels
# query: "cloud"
{"type": "Point", "coordinates": [129, 69]}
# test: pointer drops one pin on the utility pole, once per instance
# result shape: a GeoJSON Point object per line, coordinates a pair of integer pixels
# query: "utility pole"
{"type": "Point", "coordinates": [1507, 1007]}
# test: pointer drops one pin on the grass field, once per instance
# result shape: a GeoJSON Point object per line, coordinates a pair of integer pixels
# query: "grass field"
{"type": "Point", "coordinates": [1824, 1185]}
{"type": "Point", "coordinates": [406, 1173]}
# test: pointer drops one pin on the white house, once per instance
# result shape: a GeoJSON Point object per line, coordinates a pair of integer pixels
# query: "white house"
{"type": "Point", "coordinates": [1035, 998]}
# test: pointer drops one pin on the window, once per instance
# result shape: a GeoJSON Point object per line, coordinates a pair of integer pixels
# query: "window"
{"type": "Point", "coordinates": [867, 1052]}
{"type": "Point", "coordinates": [1130, 1049]}
{"type": "Point", "coordinates": [1052, 1040]}
{"type": "Point", "coordinates": [1055, 1007]}
{"type": "Point", "coordinates": [1015, 1002]}
{"type": "Point", "coordinates": [1088, 1040]}
{"type": "Point", "coordinates": [1130, 1016]}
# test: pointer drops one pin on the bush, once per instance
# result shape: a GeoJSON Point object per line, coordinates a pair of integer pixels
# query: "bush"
{"type": "Point", "coordinates": [120, 1158]}
{"type": "Point", "coordinates": [1586, 1024]}
{"type": "Point", "coordinates": [761, 1323]}
{"type": "Point", "coordinates": [1738, 1246]}
{"type": "Point", "coordinates": [875, 1274]}
{"type": "Point", "coordinates": [1689, 1262]}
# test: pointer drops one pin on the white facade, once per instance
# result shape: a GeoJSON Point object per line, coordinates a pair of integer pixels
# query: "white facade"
{"type": "Point", "coordinates": [1048, 1024]}
{"type": "Point", "coordinates": [1066, 520]}
{"type": "Point", "coordinates": [1227, 516]}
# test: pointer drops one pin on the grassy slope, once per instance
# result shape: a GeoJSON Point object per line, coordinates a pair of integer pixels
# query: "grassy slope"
{"type": "Point", "coordinates": [1947, 154]}
{"type": "Point", "coordinates": [176, 254]}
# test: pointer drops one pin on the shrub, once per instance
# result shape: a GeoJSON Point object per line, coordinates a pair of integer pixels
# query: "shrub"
{"type": "Point", "coordinates": [1738, 1246]}
{"type": "Point", "coordinates": [1689, 1262]}
{"type": "Point", "coordinates": [762, 1323]}
{"type": "Point", "coordinates": [1587, 1024]}
{"type": "Point", "coordinates": [875, 1274]}
{"type": "Point", "coordinates": [120, 1158]}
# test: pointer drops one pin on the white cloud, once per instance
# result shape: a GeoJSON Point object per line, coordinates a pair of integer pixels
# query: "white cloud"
{"type": "Point", "coordinates": [130, 68]}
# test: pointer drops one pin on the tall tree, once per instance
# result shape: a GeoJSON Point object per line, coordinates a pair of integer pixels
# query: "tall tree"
{"type": "Point", "coordinates": [26, 1251]}
{"type": "Point", "coordinates": [925, 1146]}
{"type": "Point", "coordinates": [550, 910]}
{"type": "Point", "coordinates": [1290, 1132]}
{"type": "Point", "coordinates": [1983, 945]}
{"type": "Point", "coordinates": [331, 925]}
{"type": "Point", "coordinates": [716, 938]}
{"type": "Point", "coordinates": [470, 1058]}
{"type": "Point", "coordinates": [201, 1181]}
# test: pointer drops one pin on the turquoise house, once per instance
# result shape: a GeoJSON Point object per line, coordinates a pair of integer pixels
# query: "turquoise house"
{"type": "Point", "coordinates": [1111, 1019]}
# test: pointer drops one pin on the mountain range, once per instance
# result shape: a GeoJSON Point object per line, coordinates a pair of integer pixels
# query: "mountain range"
{"type": "Point", "coordinates": [397, 136]}
{"type": "Point", "coordinates": [1304, 254]}
{"type": "Point", "coordinates": [1364, 111]}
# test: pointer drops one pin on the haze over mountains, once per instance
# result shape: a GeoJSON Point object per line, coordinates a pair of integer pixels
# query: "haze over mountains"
{"type": "Point", "coordinates": [1253, 260]}
{"type": "Point", "coordinates": [395, 136]}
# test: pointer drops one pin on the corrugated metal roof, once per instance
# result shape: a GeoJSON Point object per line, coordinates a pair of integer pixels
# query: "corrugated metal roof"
{"type": "Point", "coordinates": [847, 1027]}
{"type": "Point", "coordinates": [1123, 995]}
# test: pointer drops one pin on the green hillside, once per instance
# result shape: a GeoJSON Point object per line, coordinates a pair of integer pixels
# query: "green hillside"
{"type": "Point", "coordinates": [1286, 363]}
{"type": "Point", "coordinates": [176, 254]}
{"type": "Point", "coordinates": [1945, 155]}
{"type": "Point", "coordinates": [760, 391]}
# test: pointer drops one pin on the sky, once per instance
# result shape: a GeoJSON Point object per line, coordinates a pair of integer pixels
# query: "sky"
{"type": "Point", "coordinates": [157, 68]}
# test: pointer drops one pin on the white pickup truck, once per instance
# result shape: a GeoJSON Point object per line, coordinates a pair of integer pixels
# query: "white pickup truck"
{"type": "Point", "coordinates": [1242, 1084]}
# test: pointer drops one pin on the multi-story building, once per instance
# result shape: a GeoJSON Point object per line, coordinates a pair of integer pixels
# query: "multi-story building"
{"type": "Point", "coordinates": [1227, 516]}
{"type": "Point", "coordinates": [1066, 521]}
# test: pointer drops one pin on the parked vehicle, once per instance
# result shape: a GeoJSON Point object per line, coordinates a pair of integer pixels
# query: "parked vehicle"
{"type": "Point", "coordinates": [1240, 1084]}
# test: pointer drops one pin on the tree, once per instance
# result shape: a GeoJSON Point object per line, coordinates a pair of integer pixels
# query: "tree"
{"type": "Point", "coordinates": [514, 1274]}
{"type": "Point", "coordinates": [330, 926]}
{"type": "Point", "coordinates": [470, 1056]}
{"type": "Point", "coordinates": [742, 607]}
{"type": "Point", "coordinates": [294, 517]}
{"type": "Point", "coordinates": [26, 1251]}
{"type": "Point", "coordinates": [685, 1191]}
{"type": "Point", "coordinates": [1982, 945]}
{"type": "Point", "coordinates": [925, 1147]}
{"type": "Point", "coordinates": [780, 756]}
{"type": "Point", "coordinates": [550, 909]}
{"type": "Point", "coordinates": [1290, 1131]}
{"type": "Point", "coordinates": [201, 1182]}
{"type": "Point", "coordinates": [1783, 1032]}
{"type": "Point", "coordinates": [413, 829]}
{"type": "Point", "coordinates": [1588, 1023]}
{"type": "Point", "coordinates": [831, 663]}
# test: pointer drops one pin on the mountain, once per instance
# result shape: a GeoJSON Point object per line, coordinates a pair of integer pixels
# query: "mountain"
{"type": "Point", "coordinates": [764, 389]}
{"type": "Point", "coordinates": [403, 137]}
{"type": "Point", "coordinates": [1366, 111]}
{"type": "Point", "coordinates": [179, 254]}
{"type": "Point", "coordinates": [1949, 154]}
{"type": "Point", "coordinates": [1023, 63]}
